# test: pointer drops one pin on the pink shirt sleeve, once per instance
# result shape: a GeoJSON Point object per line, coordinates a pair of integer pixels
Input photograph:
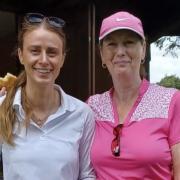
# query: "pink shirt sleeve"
{"type": "Point", "coordinates": [174, 120]}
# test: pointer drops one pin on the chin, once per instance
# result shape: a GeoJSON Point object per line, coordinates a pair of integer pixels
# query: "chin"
{"type": "Point", "coordinates": [44, 81]}
{"type": "Point", "coordinates": [122, 70]}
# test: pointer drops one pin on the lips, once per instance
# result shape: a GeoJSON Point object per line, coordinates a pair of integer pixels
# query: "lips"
{"type": "Point", "coordinates": [122, 62]}
{"type": "Point", "coordinates": [43, 70]}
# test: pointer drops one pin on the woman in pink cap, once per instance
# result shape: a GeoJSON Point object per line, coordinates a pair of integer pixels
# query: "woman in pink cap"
{"type": "Point", "coordinates": [137, 123]}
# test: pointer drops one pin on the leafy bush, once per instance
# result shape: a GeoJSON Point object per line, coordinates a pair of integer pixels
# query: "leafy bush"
{"type": "Point", "coordinates": [170, 81]}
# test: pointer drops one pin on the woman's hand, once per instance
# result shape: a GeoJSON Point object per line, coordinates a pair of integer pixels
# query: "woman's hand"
{"type": "Point", "coordinates": [2, 91]}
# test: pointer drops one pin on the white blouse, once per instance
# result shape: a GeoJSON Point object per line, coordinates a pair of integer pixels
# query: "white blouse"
{"type": "Point", "coordinates": [59, 150]}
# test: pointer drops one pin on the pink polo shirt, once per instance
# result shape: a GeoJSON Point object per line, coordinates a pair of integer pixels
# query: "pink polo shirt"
{"type": "Point", "coordinates": [150, 129]}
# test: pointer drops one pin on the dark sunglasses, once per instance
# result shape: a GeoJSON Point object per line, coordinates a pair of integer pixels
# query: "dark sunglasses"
{"type": "Point", "coordinates": [38, 18]}
{"type": "Point", "coordinates": [115, 145]}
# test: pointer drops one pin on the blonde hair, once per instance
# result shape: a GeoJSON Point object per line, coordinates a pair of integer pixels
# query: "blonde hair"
{"type": "Point", "coordinates": [7, 112]}
{"type": "Point", "coordinates": [8, 115]}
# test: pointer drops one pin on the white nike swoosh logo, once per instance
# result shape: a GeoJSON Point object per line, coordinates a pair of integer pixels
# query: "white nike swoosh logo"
{"type": "Point", "coordinates": [121, 19]}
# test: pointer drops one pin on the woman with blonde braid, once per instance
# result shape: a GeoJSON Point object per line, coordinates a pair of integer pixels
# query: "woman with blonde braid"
{"type": "Point", "coordinates": [46, 134]}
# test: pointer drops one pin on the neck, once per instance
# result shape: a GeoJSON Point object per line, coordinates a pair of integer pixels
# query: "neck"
{"type": "Point", "coordinates": [42, 99]}
{"type": "Point", "coordinates": [126, 89]}
{"type": "Point", "coordinates": [44, 102]}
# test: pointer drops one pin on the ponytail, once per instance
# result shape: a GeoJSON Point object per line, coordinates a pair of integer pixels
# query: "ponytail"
{"type": "Point", "coordinates": [7, 112]}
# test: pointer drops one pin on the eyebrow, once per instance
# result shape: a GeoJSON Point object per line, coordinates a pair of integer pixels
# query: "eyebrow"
{"type": "Point", "coordinates": [107, 38]}
{"type": "Point", "coordinates": [34, 46]}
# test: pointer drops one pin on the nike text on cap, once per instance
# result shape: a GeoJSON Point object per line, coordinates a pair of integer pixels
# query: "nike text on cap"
{"type": "Point", "coordinates": [121, 20]}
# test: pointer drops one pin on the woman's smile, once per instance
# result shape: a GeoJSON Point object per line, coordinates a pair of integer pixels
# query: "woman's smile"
{"type": "Point", "coordinates": [121, 62]}
{"type": "Point", "coordinates": [43, 70]}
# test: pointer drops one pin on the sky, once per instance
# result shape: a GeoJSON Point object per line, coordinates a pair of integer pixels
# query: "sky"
{"type": "Point", "coordinates": [160, 65]}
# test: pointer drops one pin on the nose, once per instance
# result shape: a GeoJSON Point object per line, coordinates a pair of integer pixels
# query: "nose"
{"type": "Point", "coordinates": [120, 49]}
{"type": "Point", "coordinates": [44, 58]}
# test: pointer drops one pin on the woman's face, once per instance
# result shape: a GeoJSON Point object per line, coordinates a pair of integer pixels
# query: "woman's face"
{"type": "Point", "coordinates": [42, 56]}
{"type": "Point", "coordinates": [122, 52]}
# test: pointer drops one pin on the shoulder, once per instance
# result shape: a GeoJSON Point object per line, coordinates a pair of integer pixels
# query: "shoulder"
{"type": "Point", "coordinates": [175, 103]}
{"type": "Point", "coordinates": [101, 104]}
{"type": "Point", "coordinates": [79, 104]}
{"type": "Point", "coordinates": [82, 111]}
{"type": "Point", "coordinates": [155, 103]}
{"type": "Point", "coordinates": [160, 93]}
{"type": "Point", "coordinates": [162, 89]}
{"type": "Point", "coordinates": [70, 102]}
{"type": "Point", "coordinates": [98, 99]}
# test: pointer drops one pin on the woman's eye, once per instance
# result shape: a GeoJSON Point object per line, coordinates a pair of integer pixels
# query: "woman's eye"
{"type": "Point", "coordinates": [52, 53]}
{"type": "Point", "coordinates": [111, 44]}
{"type": "Point", "coordinates": [129, 42]}
{"type": "Point", "coordinates": [34, 51]}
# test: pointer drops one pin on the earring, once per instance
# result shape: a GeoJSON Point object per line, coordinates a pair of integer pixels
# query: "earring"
{"type": "Point", "coordinates": [103, 66]}
{"type": "Point", "coordinates": [142, 61]}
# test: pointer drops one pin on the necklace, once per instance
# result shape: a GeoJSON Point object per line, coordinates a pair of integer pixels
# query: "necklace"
{"type": "Point", "coordinates": [39, 121]}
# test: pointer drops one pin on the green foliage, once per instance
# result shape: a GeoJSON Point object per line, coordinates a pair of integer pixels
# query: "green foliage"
{"type": "Point", "coordinates": [170, 45]}
{"type": "Point", "coordinates": [170, 81]}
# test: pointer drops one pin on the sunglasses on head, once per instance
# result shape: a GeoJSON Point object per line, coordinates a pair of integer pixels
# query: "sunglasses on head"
{"type": "Point", "coordinates": [115, 145]}
{"type": "Point", "coordinates": [38, 18]}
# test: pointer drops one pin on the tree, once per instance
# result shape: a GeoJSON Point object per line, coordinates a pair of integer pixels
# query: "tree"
{"type": "Point", "coordinates": [170, 44]}
{"type": "Point", "coordinates": [170, 81]}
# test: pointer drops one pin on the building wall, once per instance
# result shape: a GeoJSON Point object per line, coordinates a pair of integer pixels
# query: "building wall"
{"type": "Point", "coordinates": [82, 74]}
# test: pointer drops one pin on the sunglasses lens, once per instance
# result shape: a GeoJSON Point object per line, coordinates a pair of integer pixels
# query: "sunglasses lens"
{"type": "Point", "coordinates": [38, 18]}
{"type": "Point", "coordinates": [34, 17]}
{"type": "Point", "coordinates": [57, 22]}
{"type": "Point", "coordinates": [115, 146]}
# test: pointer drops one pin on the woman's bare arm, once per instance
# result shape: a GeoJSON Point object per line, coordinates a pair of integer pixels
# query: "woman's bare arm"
{"type": "Point", "coordinates": [176, 161]}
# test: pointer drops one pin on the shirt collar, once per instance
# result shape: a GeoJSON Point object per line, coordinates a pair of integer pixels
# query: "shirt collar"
{"type": "Point", "coordinates": [66, 104]}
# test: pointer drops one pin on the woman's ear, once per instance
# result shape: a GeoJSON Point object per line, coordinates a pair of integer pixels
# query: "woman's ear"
{"type": "Point", "coordinates": [20, 56]}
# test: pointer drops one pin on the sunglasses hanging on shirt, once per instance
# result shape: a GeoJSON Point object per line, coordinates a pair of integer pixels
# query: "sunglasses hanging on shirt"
{"type": "Point", "coordinates": [115, 145]}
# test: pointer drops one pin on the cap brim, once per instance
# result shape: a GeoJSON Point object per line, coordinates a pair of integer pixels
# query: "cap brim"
{"type": "Point", "coordinates": [121, 28]}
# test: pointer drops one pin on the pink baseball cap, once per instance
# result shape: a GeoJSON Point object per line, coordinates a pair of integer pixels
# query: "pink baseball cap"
{"type": "Point", "coordinates": [121, 20]}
